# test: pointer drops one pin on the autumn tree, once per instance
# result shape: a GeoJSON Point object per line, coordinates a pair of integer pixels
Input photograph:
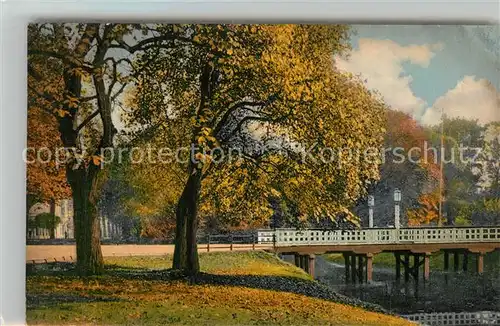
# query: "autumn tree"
{"type": "Point", "coordinates": [272, 94]}
{"type": "Point", "coordinates": [92, 64]}
{"type": "Point", "coordinates": [427, 212]}
{"type": "Point", "coordinates": [407, 165]}
{"type": "Point", "coordinates": [45, 179]}
{"type": "Point", "coordinates": [491, 157]}
{"type": "Point", "coordinates": [154, 191]}
{"type": "Point", "coordinates": [462, 138]}
{"type": "Point", "coordinates": [485, 210]}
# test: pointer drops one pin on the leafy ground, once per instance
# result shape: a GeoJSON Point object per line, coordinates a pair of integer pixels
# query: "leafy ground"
{"type": "Point", "coordinates": [234, 288]}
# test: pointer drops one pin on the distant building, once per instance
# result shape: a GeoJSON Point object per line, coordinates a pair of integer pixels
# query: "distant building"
{"type": "Point", "coordinates": [109, 230]}
{"type": "Point", "coordinates": [63, 209]}
{"type": "Point", "coordinates": [65, 229]}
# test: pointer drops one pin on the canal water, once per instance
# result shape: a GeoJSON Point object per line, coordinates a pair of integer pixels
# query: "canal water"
{"type": "Point", "coordinates": [444, 293]}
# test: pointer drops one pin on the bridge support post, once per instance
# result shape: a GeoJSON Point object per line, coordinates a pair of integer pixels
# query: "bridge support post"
{"type": "Point", "coordinates": [360, 268]}
{"type": "Point", "coordinates": [297, 260]}
{"type": "Point", "coordinates": [397, 257]}
{"type": "Point", "coordinates": [427, 267]}
{"type": "Point", "coordinates": [455, 261]}
{"type": "Point", "coordinates": [311, 260]}
{"type": "Point", "coordinates": [353, 268]}
{"type": "Point", "coordinates": [446, 266]}
{"type": "Point", "coordinates": [446, 260]}
{"type": "Point", "coordinates": [369, 267]}
{"type": "Point", "coordinates": [347, 266]}
{"type": "Point", "coordinates": [407, 267]}
{"type": "Point", "coordinates": [480, 262]}
{"type": "Point", "coordinates": [305, 263]}
{"type": "Point", "coordinates": [416, 266]}
{"type": "Point", "coordinates": [465, 262]}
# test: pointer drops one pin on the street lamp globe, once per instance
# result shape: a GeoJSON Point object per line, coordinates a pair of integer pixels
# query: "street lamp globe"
{"type": "Point", "coordinates": [397, 195]}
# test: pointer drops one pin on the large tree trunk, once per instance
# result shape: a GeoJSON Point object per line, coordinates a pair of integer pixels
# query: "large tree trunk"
{"type": "Point", "coordinates": [85, 186]}
{"type": "Point", "coordinates": [186, 249]}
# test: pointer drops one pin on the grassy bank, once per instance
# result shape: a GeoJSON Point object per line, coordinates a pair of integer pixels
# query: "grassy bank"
{"type": "Point", "coordinates": [436, 262]}
{"type": "Point", "coordinates": [235, 288]}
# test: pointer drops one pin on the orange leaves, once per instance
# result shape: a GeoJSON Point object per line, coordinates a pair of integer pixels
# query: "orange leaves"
{"type": "Point", "coordinates": [428, 211]}
{"type": "Point", "coordinates": [96, 159]}
{"type": "Point", "coordinates": [45, 180]}
{"type": "Point", "coordinates": [78, 71]}
{"type": "Point", "coordinates": [71, 102]}
{"type": "Point", "coordinates": [61, 112]}
{"type": "Point", "coordinates": [403, 131]}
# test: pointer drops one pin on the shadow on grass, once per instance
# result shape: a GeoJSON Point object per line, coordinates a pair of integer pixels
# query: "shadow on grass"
{"type": "Point", "coordinates": [69, 269]}
{"type": "Point", "coordinates": [288, 284]}
{"type": "Point", "coordinates": [36, 300]}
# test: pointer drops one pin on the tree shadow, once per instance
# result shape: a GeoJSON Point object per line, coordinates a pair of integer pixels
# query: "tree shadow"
{"type": "Point", "coordinates": [37, 300]}
{"type": "Point", "coordinates": [288, 284]}
{"type": "Point", "coordinates": [69, 269]}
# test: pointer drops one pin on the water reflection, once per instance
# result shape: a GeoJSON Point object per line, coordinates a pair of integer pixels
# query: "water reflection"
{"type": "Point", "coordinates": [445, 292]}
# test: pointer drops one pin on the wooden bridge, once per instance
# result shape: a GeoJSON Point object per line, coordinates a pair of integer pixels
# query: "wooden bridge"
{"type": "Point", "coordinates": [359, 246]}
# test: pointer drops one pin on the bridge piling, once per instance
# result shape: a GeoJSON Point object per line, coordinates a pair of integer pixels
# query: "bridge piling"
{"type": "Point", "coordinates": [305, 263]}
{"type": "Point", "coordinates": [427, 268]}
{"type": "Point", "coordinates": [369, 268]}
{"type": "Point", "coordinates": [446, 262]}
{"type": "Point", "coordinates": [311, 261]}
{"type": "Point", "coordinates": [360, 268]}
{"type": "Point", "coordinates": [480, 262]}
{"type": "Point", "coordinates": [465, 262]}
{"type": "Point", "coordinates": [455, 261]}
{"type": "Point", "coordinates": [406, 266]}
{"type": "Point", "coordinates": [347, 265]}
{"type": "Point", "coordinates": [397, 257]}
{"type": "Point", "coordinates": [416, 265]}
{"type": "Point", "coordinates": [353, 268]}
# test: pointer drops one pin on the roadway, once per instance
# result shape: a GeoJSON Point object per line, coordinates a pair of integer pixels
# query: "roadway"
{"type": "Point", "coordinates": [43, 253]}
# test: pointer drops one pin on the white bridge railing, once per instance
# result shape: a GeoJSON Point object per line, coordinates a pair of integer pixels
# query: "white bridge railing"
{"type": "Point", "coordinates": [293, 237]}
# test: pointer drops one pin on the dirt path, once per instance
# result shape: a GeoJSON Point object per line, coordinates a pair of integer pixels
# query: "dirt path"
{"type": "Point", "coordinates": [40, 253]}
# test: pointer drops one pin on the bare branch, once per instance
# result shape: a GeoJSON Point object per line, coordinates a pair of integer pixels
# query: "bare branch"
{"type": "Point", "coordinates": [115, 72]}
{"type": "Point", "coordinates": [118, 92]}
{"type": "Point", "coordinates": [87, 120]}
{"type": "Point", "coordinates": [88, 98]}
{"type": "Point", "coordinates": [140, 46]}
{"type": "Point", "coordinates": [69, 60]}
{"type": "Point", "coordinates": [233, 108]}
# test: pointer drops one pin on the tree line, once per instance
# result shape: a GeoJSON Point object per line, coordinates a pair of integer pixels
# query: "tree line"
{"type": "Point", "coordinates": [264, 90]}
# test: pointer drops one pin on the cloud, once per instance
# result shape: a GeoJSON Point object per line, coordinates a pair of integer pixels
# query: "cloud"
{"type": "Point", "coordinates": [380, 63]}
{"type": "Point", "coordinates": [472, 98]}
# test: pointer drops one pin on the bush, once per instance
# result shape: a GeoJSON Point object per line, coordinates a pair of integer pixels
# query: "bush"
{"type": "Point", "coordinates": [47, 221]}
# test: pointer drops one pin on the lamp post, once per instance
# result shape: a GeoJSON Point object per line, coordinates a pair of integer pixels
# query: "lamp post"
{"type": "Point", "coordinates": [397, 201]}
{"type": "Point", "coordinates": [441, 181]}
{"type": "Point", "coordinates": [371, 203]}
